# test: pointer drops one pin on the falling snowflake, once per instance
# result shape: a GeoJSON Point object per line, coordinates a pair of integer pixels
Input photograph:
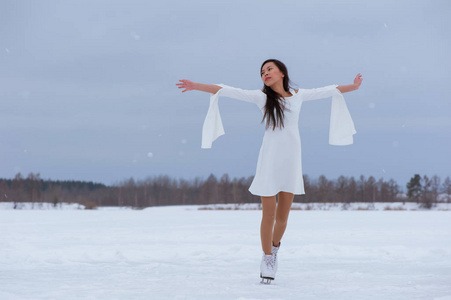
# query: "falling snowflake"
{"type": "Point", "coordinates": [135, 35]}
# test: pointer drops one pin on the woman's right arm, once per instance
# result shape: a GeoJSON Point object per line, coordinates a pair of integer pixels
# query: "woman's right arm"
{"type": "Point", "coordinates": [253, 96]}
{"type": "Point", "coordinates": [188, 85]}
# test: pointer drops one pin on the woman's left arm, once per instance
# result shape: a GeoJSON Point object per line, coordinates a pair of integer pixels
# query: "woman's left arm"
{"type": "Point", "coordinates": [351, 87]}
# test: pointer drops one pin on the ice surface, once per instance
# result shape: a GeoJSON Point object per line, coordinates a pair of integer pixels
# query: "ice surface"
{"type": "Point", "coordinates": [186, 253]}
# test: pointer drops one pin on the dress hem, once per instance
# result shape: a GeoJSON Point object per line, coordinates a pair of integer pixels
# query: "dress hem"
{"type": "Point", "coordinates": [271, 194]}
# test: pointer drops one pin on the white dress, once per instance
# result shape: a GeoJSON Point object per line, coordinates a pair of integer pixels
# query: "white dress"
{"type": "Point", "coordinates": [279, 166]}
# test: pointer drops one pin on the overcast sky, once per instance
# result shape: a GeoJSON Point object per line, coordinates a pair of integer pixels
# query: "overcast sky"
{"type": "Point", "coordinates": [87, 88]}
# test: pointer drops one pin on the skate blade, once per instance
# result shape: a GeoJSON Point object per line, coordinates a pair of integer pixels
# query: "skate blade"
{"type": "Point", "coordinates": [266, 280]}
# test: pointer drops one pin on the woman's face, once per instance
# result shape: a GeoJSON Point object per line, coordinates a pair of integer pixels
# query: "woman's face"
{"type": "Point", "coordinates": [271, 74]}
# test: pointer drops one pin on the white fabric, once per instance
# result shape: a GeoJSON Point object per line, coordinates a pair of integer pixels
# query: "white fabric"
{"type": "Point", "coordinates": [341, 128]}
{"type": "Point", "coordinates": [213, 127]}
{"type": "Point", "coordinates": [279, 166]}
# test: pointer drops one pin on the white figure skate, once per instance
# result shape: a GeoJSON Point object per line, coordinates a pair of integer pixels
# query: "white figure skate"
{"type": "Point", "coordinates": [274, 251]}
{"type": "Point", "coordinates": [267, 271]}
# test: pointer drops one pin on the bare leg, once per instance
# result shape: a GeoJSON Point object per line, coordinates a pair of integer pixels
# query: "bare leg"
{"type": "Point", "coordinates": [283, 210]}
{"type": "Point", "coordinates": [266, 227]}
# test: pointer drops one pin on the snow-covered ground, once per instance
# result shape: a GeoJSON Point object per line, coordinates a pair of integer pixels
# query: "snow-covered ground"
{"type": "Point", "coordinates": [40, 206]}
{"type": "Point", "coordinates": [333, 206]}
{"type": "Point", "coordinates": [185, 253]}
{"type": "Point", "coordinates": [242, 206]}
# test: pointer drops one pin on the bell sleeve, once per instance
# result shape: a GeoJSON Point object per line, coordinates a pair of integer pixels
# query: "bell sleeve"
{"type": "Point", "coordinates": [341, 128]}
{"type": "Point", "coordinates": [213, 128]}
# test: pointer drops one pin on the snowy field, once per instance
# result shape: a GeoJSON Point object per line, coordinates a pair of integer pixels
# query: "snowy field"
{"type": "Point", "coordinates": [186, 253]}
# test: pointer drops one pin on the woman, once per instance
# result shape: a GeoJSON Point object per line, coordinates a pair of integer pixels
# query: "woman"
{"type": "Point", "coordinates": [279, 168]}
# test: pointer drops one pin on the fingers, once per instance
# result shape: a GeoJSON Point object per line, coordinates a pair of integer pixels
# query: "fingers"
{"type": "Point", "coordinates": [358, 79]}
{"type": "Point", "coordinates": [183, 85]}
{"type": "Point", "coordinates": [185, 81]}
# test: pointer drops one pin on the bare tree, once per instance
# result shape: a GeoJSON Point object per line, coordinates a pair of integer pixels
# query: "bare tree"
{"type": "Point", "coordinates": [341, 189]}
{"type": "Point", "coordinates": [17, 190]}
{"type": "Point", "coordinates": [352, 190]}
{"type": "Point", "coordinates": [225, 189]}
{"type": "Point", "coordinates": [325, 189]}
{"type": "Point", "coordinates": [4, 191]}
{"type": "Point", "coordinates": [446, 188]}
{"type": "Point", "coordinates": [435, 187]}
{"type": "Point", "coordinates": [361, 188]}
{"type": "Point", "coordinates": [426, 193]}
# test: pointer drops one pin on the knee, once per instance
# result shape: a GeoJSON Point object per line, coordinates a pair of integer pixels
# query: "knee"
{"type": "Point", "coordinates": [282, 220]}
{"type": "Point", "coordinates": [268, 218]}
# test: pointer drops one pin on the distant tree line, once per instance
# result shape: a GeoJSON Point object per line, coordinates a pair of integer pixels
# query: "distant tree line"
{"type": "Point", "coordinates": [427, 191]}
{"type": "Point", "coordinates": [164, 190]}
{"type": "Point", "coordinates": [36, 190]}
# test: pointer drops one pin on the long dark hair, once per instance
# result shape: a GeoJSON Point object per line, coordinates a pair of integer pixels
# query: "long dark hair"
{"type": "Point", "coordinates": [275, 103]}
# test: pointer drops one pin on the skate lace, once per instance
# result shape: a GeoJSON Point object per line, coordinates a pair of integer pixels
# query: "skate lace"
{"type": "Point", "coordinates": [274, 251]}
{"type": "Point", "coordinates": [269, 261]}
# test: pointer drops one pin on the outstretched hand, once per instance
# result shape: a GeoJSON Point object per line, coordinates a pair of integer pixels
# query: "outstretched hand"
{"type": "Point", "coordinates": [186, 84]}
{"type": "Point", "coordinates": [358, 80]}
